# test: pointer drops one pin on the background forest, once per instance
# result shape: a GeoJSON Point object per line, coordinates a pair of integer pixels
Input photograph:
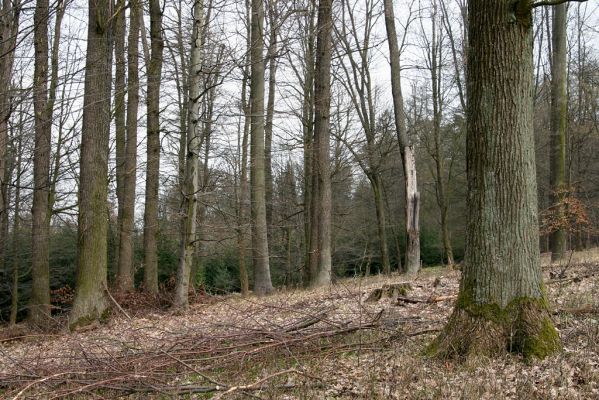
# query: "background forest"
{"type": "Point", "coordinates": [149, 107]}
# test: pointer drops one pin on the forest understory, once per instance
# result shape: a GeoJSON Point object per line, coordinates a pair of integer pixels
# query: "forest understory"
{"type": "Point", "coordinates": [361, 338]}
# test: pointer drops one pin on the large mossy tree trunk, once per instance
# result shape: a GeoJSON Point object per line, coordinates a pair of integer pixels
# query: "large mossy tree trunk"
{"type": "Point", "coordinates": [559, 118]}
{"type": "Point", "coordinates": [90, 298]}
{"type": "Point", "coordinates": [412, 264]}
{"type": "Point", "coordinates": [501, 305]}
{"type": "Point", "coordinates": [262, 281]}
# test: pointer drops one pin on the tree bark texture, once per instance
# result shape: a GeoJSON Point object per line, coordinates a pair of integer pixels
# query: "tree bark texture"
{"type": "Point", "coordinates": [189, 208]}
{"type": "Point", "coordinates": [127, 220]}
{"type": "Point", "coordinates": [243, 193]}
{"type": "Point", "coordinates": [322, 110]}
{"type": "Point", "coordinates": [120, 68]}
{"type": "Point", "coordinates": [310, 263]}
{"type": "Point", "coordinates": [39, 303]}
{"type": "Point", "coordinates": [501, 304]}
{"type": "Point", "coordinates": [90, 301]}
{"type": "Point", "coordinates": [153, 149]}
{"type": "Point", "coordinates": [412, 264]}
{"type": "Point", "coordinates": [9, 25]}
{"type": "Point", "coordinates": [559, 120]}
{"type": "Point", "coordinates": [271, 55]}
{"type": "Point", "coordinates": [243, 198]}
{"type": "Point", "coordinates": [44, 187]}
{"type": "Point", "coordinates": [262, 281]}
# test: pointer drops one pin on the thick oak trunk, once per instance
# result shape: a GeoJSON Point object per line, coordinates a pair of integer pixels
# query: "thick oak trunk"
{"type": "Point", "coordinates": [501, 304]}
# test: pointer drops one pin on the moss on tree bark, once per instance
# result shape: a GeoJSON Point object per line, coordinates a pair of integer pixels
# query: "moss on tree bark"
{"type": "Point", "coordinates": [502, 305]}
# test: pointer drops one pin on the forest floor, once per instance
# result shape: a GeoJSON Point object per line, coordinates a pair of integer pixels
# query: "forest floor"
{"type": "Point", "coordinates": [332, 343]}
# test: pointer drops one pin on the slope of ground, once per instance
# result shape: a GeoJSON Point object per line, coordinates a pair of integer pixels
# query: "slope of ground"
{"type": "Point", "coordinates": [328, 343]}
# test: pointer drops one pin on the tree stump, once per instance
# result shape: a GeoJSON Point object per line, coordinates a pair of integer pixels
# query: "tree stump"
{"type": "Point", "coordinates": [392, 291]}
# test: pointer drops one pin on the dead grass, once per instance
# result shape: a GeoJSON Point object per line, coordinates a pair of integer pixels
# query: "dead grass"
{"type": "Point", "coordinates": [261, 347]}
{"type": "Point", "coordinates": [590, 256]}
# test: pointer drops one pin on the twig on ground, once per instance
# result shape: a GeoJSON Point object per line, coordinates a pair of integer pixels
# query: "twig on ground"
{"type": "Point", "coordinates": [116, 303]}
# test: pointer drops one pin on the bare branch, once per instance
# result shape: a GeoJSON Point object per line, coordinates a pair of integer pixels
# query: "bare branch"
{"type": "Point", "coordinates": [555, 2]}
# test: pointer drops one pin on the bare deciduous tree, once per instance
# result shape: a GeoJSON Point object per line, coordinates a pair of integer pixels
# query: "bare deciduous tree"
{"type": "Point", "coordinates": [90, 301]}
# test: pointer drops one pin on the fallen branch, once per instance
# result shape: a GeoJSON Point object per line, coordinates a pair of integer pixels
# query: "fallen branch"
{"type": "Point", "coordinates": [423, 332]}
{"type": "Point", "coordinates": [116, 303]}
{"type": "Point", "coordinates": [430, 300]}
{"type": "Point", "coordinates": [259, 382]}
{"type": "Point", "coordinates": [586, 309]}
{"type": "Point", "coordinates": [307, 322]}
{"type": "Point", "coordinates": [571, 279]}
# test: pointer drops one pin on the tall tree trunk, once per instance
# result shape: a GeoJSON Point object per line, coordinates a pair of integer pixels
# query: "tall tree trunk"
{"type": "Point", "coordinates": [412, 264]}
{"type": "Point", "coordinates": [559, 118]}
{"type": "Point", "coordinates": [9, 25]}
{"type": "Point", "coordinates": [322, 111]}
{"type": "Point", "coordinates": [120, 28]}
{"type": "Point", "coordinates": [39, 303]}
{"type": "Point", "coordinates": [44, 99]}
{"type": "Point", "coordinates": [126, 229]}
{"type": "Point", "coordinates": [271, 56]}
{"type": "Point", "coordinates": [189, 208]}
{"type": "Point", "coordinates": [501, 302]}
{"type": "Point", "coordinates": [310, 262]}
{"type": "Point", "coordinates": [243, 191]}
{"type": "Point", "coordinates": [90, 299]}
{"type": "Point", "coordinates": [243, 157]}
{"type": "Point", "coordinates": [153, 150]}
{"type": "Point", "coordinates": [262, 281]}
{"type": "Point", "coordinates": [182, 96]}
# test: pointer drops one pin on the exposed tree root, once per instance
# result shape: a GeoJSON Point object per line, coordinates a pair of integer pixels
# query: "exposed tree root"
{"type": "Point", "coordinates": [524, 327]}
